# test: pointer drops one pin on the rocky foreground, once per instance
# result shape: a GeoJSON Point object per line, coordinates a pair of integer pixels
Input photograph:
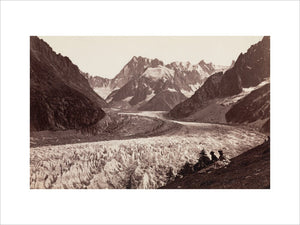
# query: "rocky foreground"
{"type": "Point", "coordinates": [250, 170]}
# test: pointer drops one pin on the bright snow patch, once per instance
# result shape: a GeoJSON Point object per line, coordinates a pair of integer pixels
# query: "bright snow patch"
{"type": "Point", "coordinates": [159, 72]}
{"type": "Point", "coordinates": [103, 91]}
{"type": "Point", "coordinates": [187, 94]}
{"type": "Point", "coordinates": [109, 99]}
{"type": "Point", "coordinates": [171, 90]}
{"type": "Point", "coordinates": [246, 91]}
{"type": "Point", "coordinates": [128, 99]}
{"type": "Point", "coordinates": [194, 88]}
{"type": "Point", "coordinates": [148, 97]}
{"type": "Point", "coordinates": [220, 68]}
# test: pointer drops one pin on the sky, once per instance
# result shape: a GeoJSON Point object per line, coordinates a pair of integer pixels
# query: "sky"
{"type": "Point", "coordinates": [105, 56]}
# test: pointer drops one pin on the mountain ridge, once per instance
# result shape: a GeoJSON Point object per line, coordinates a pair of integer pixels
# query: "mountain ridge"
{"type": "Point", "coordinates": [60, 97]}
{"type": "Point", "coordinates": [181, 77]}
{"type": "Point", "coordinates": [249, 70]}
{"type": "Point", "coordinates": [137, 66]}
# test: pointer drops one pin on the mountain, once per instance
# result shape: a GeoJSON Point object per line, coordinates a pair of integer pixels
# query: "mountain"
{"type": "Point", "coordinates": [60, 96]}
{"type": "Point", "coordinates": [208, 90]}
{"type": "Point", "coordinates": [250, 70]}
{"type": "Point", "coordinates": [190, 77]}
{"type": "Point", "coordinates": [153, 88]}
{"type": "Point", "coordinates": [140, 90]}
{"type": "Point", "coordinates": [163, 101]}
{"type": "Point", "coordinates": [133, 69]}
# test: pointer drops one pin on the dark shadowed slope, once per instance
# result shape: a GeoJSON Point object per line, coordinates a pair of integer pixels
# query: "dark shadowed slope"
{"type": "Point", "coordinates": [255, 106]}
{"type": "Point", "coordinates": [250, 170]}
{"type": "Point", "coordinates": [60, 97]}
{"type": "Point", "coordinates": [209, 90]}
{"type": "Point", "coordinates": [249, 70]}
{"type": "Point", "coordinates": [163, 101]}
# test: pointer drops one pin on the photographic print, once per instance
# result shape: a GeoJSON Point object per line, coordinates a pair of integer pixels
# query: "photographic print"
{"type": "Point", "coordinates": [150, 112]}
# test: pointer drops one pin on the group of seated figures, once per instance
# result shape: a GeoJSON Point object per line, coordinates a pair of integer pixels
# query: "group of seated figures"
{"type": "Point", "coordinates": [204, 161]}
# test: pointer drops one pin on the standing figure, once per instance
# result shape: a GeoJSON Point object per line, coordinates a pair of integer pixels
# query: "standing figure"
{"type": "Point", "coordinates": [223, 157]}
{"type": "Point", "coordinates": [214, 158]}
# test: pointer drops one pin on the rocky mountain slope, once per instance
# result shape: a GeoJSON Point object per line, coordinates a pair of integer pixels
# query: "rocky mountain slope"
{"type": "Point", "coordinates": [209, 90]}
{"type": "Point", "coordinates": [254, 108]}
{"type": "Point", "coordinates": [250, 70]}
{"type": "Point", "coordinates": [60, 97]}
{"type": "Point", "coordinates": [190, 77]}
{"type": "Point", "coordinates": [133, 69]}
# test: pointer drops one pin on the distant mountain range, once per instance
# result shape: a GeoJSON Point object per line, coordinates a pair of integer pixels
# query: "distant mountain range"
{"type": "Point", "coordinates": [60, 97]}
{"type": "Point", "coordinates": [148, 84]}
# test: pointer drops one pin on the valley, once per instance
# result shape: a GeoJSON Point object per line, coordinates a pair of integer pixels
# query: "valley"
{"type": "Point", "coordinates": [136, 160]}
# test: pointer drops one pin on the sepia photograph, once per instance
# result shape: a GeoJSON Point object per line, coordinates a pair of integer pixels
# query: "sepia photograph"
{"type": "Point", "coordinates": [149, 112]}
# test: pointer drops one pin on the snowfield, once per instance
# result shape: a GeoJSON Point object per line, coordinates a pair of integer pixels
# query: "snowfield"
{"type": "Point", "coordinates": [159, 72]}
{"type": "Point", "coordinates": [133, 163]}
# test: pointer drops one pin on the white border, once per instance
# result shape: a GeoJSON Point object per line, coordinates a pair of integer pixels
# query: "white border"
{"type": "Point", "coordinates": [20, 205]}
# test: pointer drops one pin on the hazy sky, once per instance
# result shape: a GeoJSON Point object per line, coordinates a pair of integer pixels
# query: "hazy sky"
{"type": "Point", "coordinates": [105, 56]}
